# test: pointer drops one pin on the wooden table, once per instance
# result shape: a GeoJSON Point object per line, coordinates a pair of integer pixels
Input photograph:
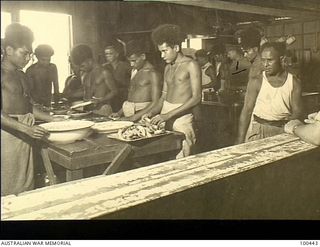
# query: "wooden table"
{"type": "Point", "coordinates": [98, 149]}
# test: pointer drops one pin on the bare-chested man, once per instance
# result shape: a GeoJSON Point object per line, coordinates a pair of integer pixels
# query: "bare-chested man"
{"type": "Point", "coordinates": [272, 99]}
{"type": "Point", "coordinates": [120, 70]}
{"type": "Point", "coordinates": [17, 113]}
{"type": "Point", "coordinates": [181, 88]}
{"type": "Point", "coordinates": [42, 75]}
{"type": "Point", "coordinates": [97, 82]}
{"type": "Point", "coordinates": [145, 85]}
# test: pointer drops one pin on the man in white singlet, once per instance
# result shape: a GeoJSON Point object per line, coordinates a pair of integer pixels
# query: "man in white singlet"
{"type": "Point", "coordinates": [272, 99]}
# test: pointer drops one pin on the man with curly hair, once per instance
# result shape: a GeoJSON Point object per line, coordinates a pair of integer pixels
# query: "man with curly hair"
{"type": "Point", "coordinates": [98, 82]}
{"type": "Point", "coordinates": [181, 88]}
{"type": "Point", "coordinates": [42, 75]}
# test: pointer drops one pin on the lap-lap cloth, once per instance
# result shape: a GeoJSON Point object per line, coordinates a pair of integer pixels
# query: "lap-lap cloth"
{"type": "Point", "coordinates": [130, 108]}
{"type": "Point", "coordinates": [182, 124]}
{"type": "Point", "coordinates": [16, 160]}
{"type": "Point", "coordinates": [260, 128]}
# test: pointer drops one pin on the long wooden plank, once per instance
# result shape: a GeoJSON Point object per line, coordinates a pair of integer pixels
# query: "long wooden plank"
{"type": "Point", "coordinates": [93, 197]}
{"type": "Point", "coordinates": [214, 157]}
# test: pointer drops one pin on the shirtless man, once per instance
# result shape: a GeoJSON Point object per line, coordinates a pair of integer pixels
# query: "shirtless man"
{"type": "Point", "coordinates": [98, 83]}
{"type": "Point", "coordinates": [181, 89]}
{"type": "Point", "coordinates": [145, 85]}
{"type": "Point", "coordinates": [42, 75]}
{"type": "Point", "coordinates": [272, 99]}
{"type": "Point", "coordinates": [73, 89]}
{"type": "Point", "coordinates": [120, 70]}
{"type": "Point", "coordinates": [17, 113]}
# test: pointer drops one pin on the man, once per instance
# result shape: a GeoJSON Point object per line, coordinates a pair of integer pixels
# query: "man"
{"type": "Point", "coordinates": [42, 75]}
{"type": "Point", "coordinates": [98, 83]}
{"type": "Point", "coordinates": [239, 68]}
{"type": "Point", "coordinates": [218, 57]}
{"type": "Point", "coordinates": [73, 89]}
{"type": "Point", "coordinates": [309, 132]}
{"type": "Point", "coordinates": [145, 85]}
{"type": "Point", "coordinates": [120, 70]}
{"type": "Point", "coordinates": [250, 44]}
{"type": "Point", "coordinates": [272, 99]}
{"type": "Point", "coordinates": [181, 89]}
{"type": "Point", "coordinates": [209, 77]}
{"type": "Point", "coordinates": [17, 113]}
{"type": "Point", "coordinates": [249, 40]}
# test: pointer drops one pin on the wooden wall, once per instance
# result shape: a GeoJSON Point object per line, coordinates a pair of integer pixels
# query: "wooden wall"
{"type": "Point", "coordinates": [306, 48]}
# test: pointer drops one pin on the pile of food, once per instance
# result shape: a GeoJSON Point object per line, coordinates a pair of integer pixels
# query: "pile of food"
{"type": "Point", "coordinates": [143, 129]}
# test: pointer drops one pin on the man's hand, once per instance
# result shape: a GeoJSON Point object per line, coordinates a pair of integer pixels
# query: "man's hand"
{"type": "Point", "coordinates": [290, 126]}
{"type": "Point", "coordinates": [37, 132]}
{"type": "Point", "coordinates": [95, 100]}
{"type": "Point", "coordinates": [147, 115]}
{"type": "Point", "coordinates": [159, 119]}
{"type": "Point", "coordinates": [114, 116]}
{"type": "Point", "coordinates": [313, 117]}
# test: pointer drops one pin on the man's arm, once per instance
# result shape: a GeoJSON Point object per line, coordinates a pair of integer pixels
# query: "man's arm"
{"type": "Point", "coordinates": [71, 89]}
{"type": "Point", "coordinates": [195, 81]}
{"type": "Point", "coordinates": [156, 109]}
{"type": "Point", "coordinates": [296, 99]}
{"type": "Point", "coordinates": [307, 132]}
{"type": "Point", "coordinates": [55, 80]}
{"type": "Point", "coordinates": [155, 95]}
{"type": "Point", "coordinates": [35, 132]}
{"type": "Point", "coordinates": [253, 89]}
{"type": "Point", "coordinates": [109, 81]}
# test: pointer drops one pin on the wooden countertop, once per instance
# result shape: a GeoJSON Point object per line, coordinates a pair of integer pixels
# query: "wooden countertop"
{"type": "Point", "coordinates": [102, 195]}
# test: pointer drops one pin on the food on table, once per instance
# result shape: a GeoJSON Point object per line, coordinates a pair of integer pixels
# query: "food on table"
{"type": "Point", "coordinates": [140, 130]}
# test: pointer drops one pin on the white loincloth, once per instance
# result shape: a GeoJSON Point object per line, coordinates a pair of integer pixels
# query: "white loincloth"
{"type": "Point", "coordinates": [182, 124]}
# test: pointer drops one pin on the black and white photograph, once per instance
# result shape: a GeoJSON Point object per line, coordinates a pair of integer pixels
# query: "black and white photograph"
{"type": "Point", "coordinates": [201, 110]}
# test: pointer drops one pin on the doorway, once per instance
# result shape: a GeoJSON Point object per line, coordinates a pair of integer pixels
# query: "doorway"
{"type": "Point", "coordinates": [5, 21]}
{"type": "Point", "coordinates": [54, 29]}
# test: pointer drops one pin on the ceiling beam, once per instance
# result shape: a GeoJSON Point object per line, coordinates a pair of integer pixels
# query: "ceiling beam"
{"type": "Point", "coordinates": [304, 5]}
{"type": "Point", "coordinates": [245, 8]}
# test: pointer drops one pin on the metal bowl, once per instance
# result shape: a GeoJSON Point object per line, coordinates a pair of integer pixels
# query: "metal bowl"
{"type": "Point", "coordinates": [65, 132]}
